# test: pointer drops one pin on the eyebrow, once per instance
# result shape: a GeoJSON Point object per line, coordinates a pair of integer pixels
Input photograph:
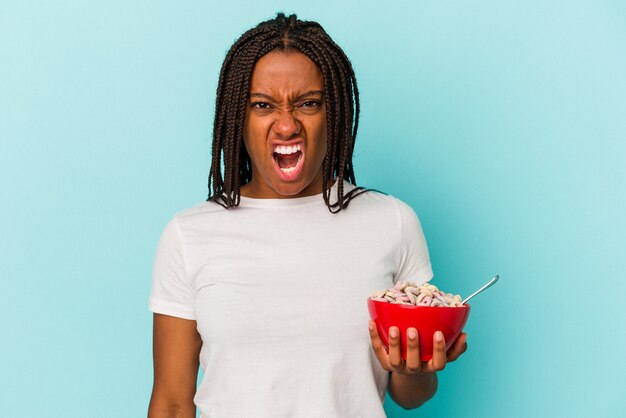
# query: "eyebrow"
{"type": "Point", "coordinates": [299, 97]}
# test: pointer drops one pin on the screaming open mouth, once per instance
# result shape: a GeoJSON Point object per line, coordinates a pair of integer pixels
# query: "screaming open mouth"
{"type": "Point", "coordinates": [288, 161]}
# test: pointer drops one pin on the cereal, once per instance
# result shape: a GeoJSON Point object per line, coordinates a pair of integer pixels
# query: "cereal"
{"type": "Point", "coordinates": [408, 293]}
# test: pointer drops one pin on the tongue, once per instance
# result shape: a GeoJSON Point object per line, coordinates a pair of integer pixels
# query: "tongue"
{"type": "Point", "coordinates": [287, 160]}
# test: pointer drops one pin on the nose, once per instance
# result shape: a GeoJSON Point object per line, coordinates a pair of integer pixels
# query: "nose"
{"type": "Point", "coordinates": [286, 126]}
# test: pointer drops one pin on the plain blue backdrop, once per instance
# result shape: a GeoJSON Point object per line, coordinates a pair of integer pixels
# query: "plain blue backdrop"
{"type": "Point", "coordinates": [503, 124]}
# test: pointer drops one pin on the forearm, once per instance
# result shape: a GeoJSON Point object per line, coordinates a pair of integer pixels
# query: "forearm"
{"type": "Point", "coordinates": [411, 391]}
{"type": "Point", "coordinates": [160, 407]}
{"type": "Point", "coordinates": [155, 412]}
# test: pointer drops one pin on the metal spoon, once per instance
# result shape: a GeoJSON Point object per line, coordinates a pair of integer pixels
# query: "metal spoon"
{"type": "Point", "coordinates": [489, 284]}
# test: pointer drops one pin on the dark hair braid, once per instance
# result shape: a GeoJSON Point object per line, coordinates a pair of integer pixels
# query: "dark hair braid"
{"type": "Point", "coordinates": [340, 94]}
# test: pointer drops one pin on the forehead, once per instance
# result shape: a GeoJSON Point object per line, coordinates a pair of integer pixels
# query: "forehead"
{"type": "Point", "coordinates": [284, 72]}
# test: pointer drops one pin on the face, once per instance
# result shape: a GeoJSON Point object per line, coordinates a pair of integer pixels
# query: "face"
{"type": "Point", "coordinates": [285, 127]}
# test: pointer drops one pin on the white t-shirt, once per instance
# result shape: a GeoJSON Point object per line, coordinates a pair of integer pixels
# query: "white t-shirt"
{"type": "Point", "coordinates": [278, 289]}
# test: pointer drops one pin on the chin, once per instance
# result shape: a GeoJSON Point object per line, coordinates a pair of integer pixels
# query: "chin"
{"type": "Point", "coordinates": [291, 189]}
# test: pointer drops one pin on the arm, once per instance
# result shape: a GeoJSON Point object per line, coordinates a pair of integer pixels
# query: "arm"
{"type": "Point", "coordinates": [411, 391]}
{"type": "Point", "coordinates": [176, 347]}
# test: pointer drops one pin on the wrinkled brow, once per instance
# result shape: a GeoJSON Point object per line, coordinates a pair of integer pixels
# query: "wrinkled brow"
{"type": "Point", "coordinates": [299, 97]}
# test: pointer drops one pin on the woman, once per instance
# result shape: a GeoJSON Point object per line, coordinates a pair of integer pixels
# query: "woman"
{"type": "Point", "coordinates": [265, 283]}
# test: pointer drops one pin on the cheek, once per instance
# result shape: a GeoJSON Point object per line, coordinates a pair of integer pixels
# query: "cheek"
{"type": "Point", "coordinates": [254, 135]}
{"type": "Point", "coordinates": [254, 149]}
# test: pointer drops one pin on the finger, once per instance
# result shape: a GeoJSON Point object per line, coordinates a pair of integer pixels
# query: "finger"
{"type": "Point", "coordinates": [413, 363]}
{"type": "Point", "coordinates": [395, 354]}
{"type": "Point", "coordinates": [439, 351]}
{"type": "Point", "coordinates": [459, 347]}
{"type": "Point", "coordinates": [379, 347]}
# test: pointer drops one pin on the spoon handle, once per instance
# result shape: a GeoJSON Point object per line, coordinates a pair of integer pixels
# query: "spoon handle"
{"type": "Point", "coordinates": [487, 285]}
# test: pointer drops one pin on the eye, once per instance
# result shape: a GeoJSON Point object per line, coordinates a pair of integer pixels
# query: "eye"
{"type": "Point", "coordinates": [310, 104]}
{"type": "Point", "coordinates": [260, 105]}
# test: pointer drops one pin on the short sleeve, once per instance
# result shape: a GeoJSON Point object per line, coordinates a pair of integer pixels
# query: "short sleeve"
{"type": "Point", "coordinates": [414, 265]}
{"type": "Point", "coordinates": [172, 293]}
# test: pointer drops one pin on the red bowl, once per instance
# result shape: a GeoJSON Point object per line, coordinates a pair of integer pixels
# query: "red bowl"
{"type": "Point", "coordinates": [426, 319]}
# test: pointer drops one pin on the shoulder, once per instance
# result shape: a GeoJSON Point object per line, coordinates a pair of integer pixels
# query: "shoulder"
{"type": "Point", "coordinates": [199, 209]}
{"type": "Point", "coordinates": [202, 213]}
{"type": "Point", "coordinates": [379, 200]}
{"type": "Point", "coordinates": [387, 211]}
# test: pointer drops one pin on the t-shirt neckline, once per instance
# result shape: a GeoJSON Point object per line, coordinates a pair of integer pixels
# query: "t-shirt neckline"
{"type": "Point", "coordinates": [289, 202]}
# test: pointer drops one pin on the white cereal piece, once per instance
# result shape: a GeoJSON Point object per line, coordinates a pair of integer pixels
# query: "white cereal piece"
{"type": "Point", "coordinates": [419, 298]}
{"type": "Point", "coordinates": [426, 301]}
{"type": "Point", "coordinates": [410, 295]}
{"type": "Point", "coordinates": [441, 298]}
{"type": "Point", "coordinates": [398, 286]}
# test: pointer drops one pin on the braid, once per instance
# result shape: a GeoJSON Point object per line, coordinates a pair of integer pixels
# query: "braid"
{"type": "Point", "coordinates": [340, 94]}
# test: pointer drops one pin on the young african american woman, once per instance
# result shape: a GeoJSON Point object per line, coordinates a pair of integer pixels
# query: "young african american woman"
{"type": "Point", "coordinates": [264, 284]}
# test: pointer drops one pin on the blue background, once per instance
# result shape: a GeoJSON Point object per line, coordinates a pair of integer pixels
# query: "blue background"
{"type": "Point", "coordinates": [502, 123]}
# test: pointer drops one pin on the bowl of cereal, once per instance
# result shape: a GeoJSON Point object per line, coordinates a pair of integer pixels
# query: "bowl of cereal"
{"type": "Point", "coordinates": [424, 308]}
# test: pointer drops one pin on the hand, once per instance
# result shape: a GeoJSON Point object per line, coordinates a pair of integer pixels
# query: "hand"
{"type": "Point", "coordinates": [393, 361]}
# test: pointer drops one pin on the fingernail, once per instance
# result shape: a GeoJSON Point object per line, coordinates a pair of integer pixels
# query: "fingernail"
{"type": "Point", "coordinates": [371, 326]}
{"type": "Point", "coordinates": [439, 336]}
{"type": "Point", "coordinates": [412, 333]}
{"type": "Point", "coordinates": [393, 333]}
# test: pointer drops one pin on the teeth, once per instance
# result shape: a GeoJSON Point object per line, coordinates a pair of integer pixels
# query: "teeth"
{"type": "Point", "coordinates": [282, 149]}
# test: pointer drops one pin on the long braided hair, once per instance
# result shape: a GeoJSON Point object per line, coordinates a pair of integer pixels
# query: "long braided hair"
{"type": "Point", "coordinates": [340, 92]}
